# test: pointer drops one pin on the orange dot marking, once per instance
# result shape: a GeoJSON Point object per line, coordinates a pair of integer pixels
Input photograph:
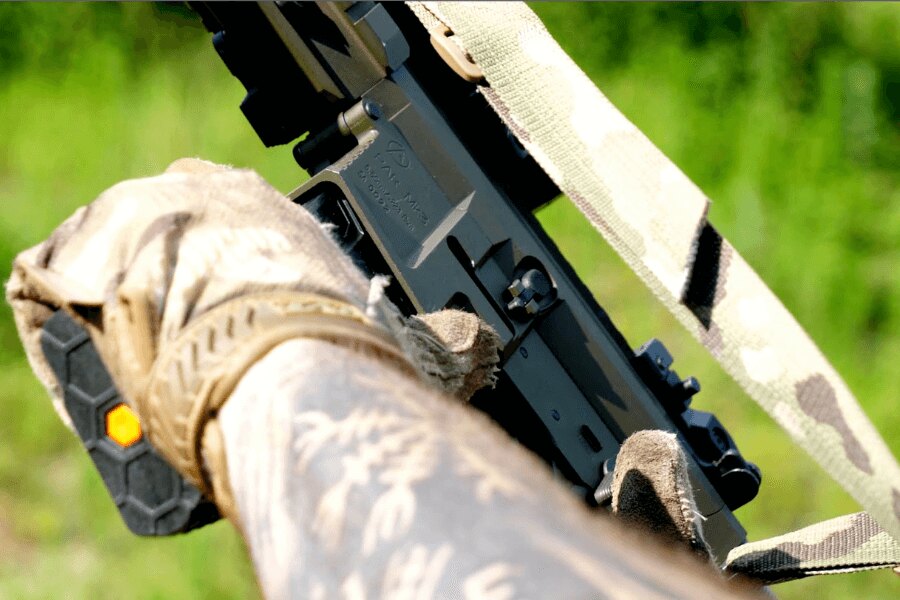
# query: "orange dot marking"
{"type": "Point", "coordinates": [123, 426]}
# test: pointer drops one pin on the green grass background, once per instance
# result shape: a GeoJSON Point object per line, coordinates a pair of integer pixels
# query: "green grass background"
{"type": "Point", "coordinates": [788, 116]}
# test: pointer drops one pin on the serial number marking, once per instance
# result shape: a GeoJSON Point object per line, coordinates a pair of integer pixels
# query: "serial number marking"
{"type": "Point", "coordinates": [385, 187]}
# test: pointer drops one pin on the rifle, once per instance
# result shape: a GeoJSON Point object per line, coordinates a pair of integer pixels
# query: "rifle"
{"type": "Point", "coordinates": [423, 183]}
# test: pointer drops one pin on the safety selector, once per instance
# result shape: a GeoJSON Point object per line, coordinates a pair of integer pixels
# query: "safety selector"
{"type": "Point", "coordinates": [151, 496]}
{"type": "Point", "coordinates": [531, 290]}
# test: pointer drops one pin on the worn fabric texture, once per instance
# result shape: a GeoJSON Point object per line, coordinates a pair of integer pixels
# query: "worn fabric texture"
{"type": "Point", "coordinates": [651, 488]}
{"type": "Point", "coordinates": [456, 349]}
{"type": "Point", "coordinates": [655, 219]}
{"type": "Point", "coordinates": [151, 256]}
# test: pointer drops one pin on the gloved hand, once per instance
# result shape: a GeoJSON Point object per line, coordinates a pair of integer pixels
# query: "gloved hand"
{"type": "Point", "coordinates": [191, 282]}
{"type": "Point", "coordinates": [185, 279]}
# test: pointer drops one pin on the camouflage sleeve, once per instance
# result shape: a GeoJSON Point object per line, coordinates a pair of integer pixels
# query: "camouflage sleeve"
{"type": "Point", "coordinates": [354, 480]}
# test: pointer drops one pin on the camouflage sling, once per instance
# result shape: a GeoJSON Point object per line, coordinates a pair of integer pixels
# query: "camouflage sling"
{"type": "Point", "coordinates": [655, 219]}
{"type": "Point", "coordinates": [842, 545]}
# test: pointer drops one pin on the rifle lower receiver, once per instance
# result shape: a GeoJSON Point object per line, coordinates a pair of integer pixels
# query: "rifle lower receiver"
{"type": "Point", "coordinates": [570, 388]}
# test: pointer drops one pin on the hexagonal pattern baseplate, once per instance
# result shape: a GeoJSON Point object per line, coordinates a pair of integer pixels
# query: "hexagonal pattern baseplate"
{"type": "Point", "coordinates": [151, 496]}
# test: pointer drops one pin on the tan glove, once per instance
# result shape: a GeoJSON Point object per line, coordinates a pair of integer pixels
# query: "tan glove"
{"type": "Point", "coordinates": [651, 488]}
{"type": "Point", "coordinates": [184, 280]}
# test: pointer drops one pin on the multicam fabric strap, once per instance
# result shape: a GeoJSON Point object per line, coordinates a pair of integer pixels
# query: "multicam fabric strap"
{"type": "Point", "coordinates": [849, 543]}
{"type": "Point", "coordinates": [655, 218]}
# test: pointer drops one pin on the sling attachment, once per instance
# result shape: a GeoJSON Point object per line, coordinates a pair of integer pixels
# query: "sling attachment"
{"type": "Point", "coordinates": [453, 54]}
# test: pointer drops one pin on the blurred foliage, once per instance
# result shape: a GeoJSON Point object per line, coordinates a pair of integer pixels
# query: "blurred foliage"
{"type": "Point", "coordinates": [788, 116]}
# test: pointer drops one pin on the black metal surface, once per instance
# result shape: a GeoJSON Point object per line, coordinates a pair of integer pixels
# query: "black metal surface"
{"type": "Point", "coordinates": [736, 479]}
{"type": "Point", "coordinates": [151, 496]}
